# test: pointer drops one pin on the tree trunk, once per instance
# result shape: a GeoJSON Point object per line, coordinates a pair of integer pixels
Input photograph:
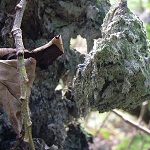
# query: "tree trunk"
{"type": "Point", "coordinates": [50, 112]}
{"type": "Point", "coordinates": [117, 73]}
{"type": "Point", "coordinates": [41, 22]}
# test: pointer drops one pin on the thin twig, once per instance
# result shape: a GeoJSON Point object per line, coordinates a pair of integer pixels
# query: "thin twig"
{"type": "Point", "coordinates": [142, 112]}
{"type": "Point", "coordinates": [136, 125]}
{"type": "Point", "coordinates": [104, 121]}
{"type": "Point", "coordinates": [17, 33]}
{"type": "Point", "coordinates": [149, 125]}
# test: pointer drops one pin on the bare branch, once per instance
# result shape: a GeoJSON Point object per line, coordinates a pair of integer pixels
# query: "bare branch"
{"type": "Point", "coordinates": [17, 33]}
{"type": "Point", "coordinates": [136, 125]}
{"type": "Point", "coordinates": [142, 112]}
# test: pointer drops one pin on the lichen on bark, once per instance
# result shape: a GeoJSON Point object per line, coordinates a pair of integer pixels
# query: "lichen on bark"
{"type": "Point", "coordinates": [46, 19]}
{"type": "Point", "coordinates": [117, 73]}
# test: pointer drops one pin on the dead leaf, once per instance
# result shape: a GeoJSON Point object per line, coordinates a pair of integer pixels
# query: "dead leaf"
{"type": "Point", "coordinates": [9, 77]}
{"type": "Point", "coordinates": [44, 55]}
{"type": "Point", "coordinates": [10, 89]}
{"type": "Point", "coordinates": [5, 52]}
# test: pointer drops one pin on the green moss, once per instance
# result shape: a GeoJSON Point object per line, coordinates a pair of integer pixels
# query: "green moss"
{"type": "Point", "coordinates": [116, 74]}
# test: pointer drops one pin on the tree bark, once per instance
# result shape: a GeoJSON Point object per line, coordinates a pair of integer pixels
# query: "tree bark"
{"type": "Point", "coordinates": [47, 19]}
{"type": "Point", "coordinates": [116, 74]}
{"type": "Point", "coordinates": [49, 111]}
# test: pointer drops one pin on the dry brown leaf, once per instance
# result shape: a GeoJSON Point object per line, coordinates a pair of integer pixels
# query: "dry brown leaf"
{"type": "Point", "coordinates": [6, 51]}
{"type": "Point", "coordinates": [44, 55]}
{"type": "Point", "coordinates": [10, 89]}
{"type": "Point", "coordinates": [9, 76]}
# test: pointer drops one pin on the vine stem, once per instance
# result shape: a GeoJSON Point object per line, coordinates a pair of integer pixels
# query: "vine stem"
{"type": "Point", "coordinates": [17, 33]}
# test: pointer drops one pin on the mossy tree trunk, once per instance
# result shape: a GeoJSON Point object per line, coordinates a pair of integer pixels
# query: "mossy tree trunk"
{"type": "Point", "coordinates": [49, 111]}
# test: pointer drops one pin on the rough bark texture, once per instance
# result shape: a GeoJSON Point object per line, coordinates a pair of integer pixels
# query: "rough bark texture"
{"type": "Point", "coordinates": [114, 75]}
{"type": "Point", "coordinates": [41, 22]}
{"type": "Point", "coordinates": [117, 73]}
